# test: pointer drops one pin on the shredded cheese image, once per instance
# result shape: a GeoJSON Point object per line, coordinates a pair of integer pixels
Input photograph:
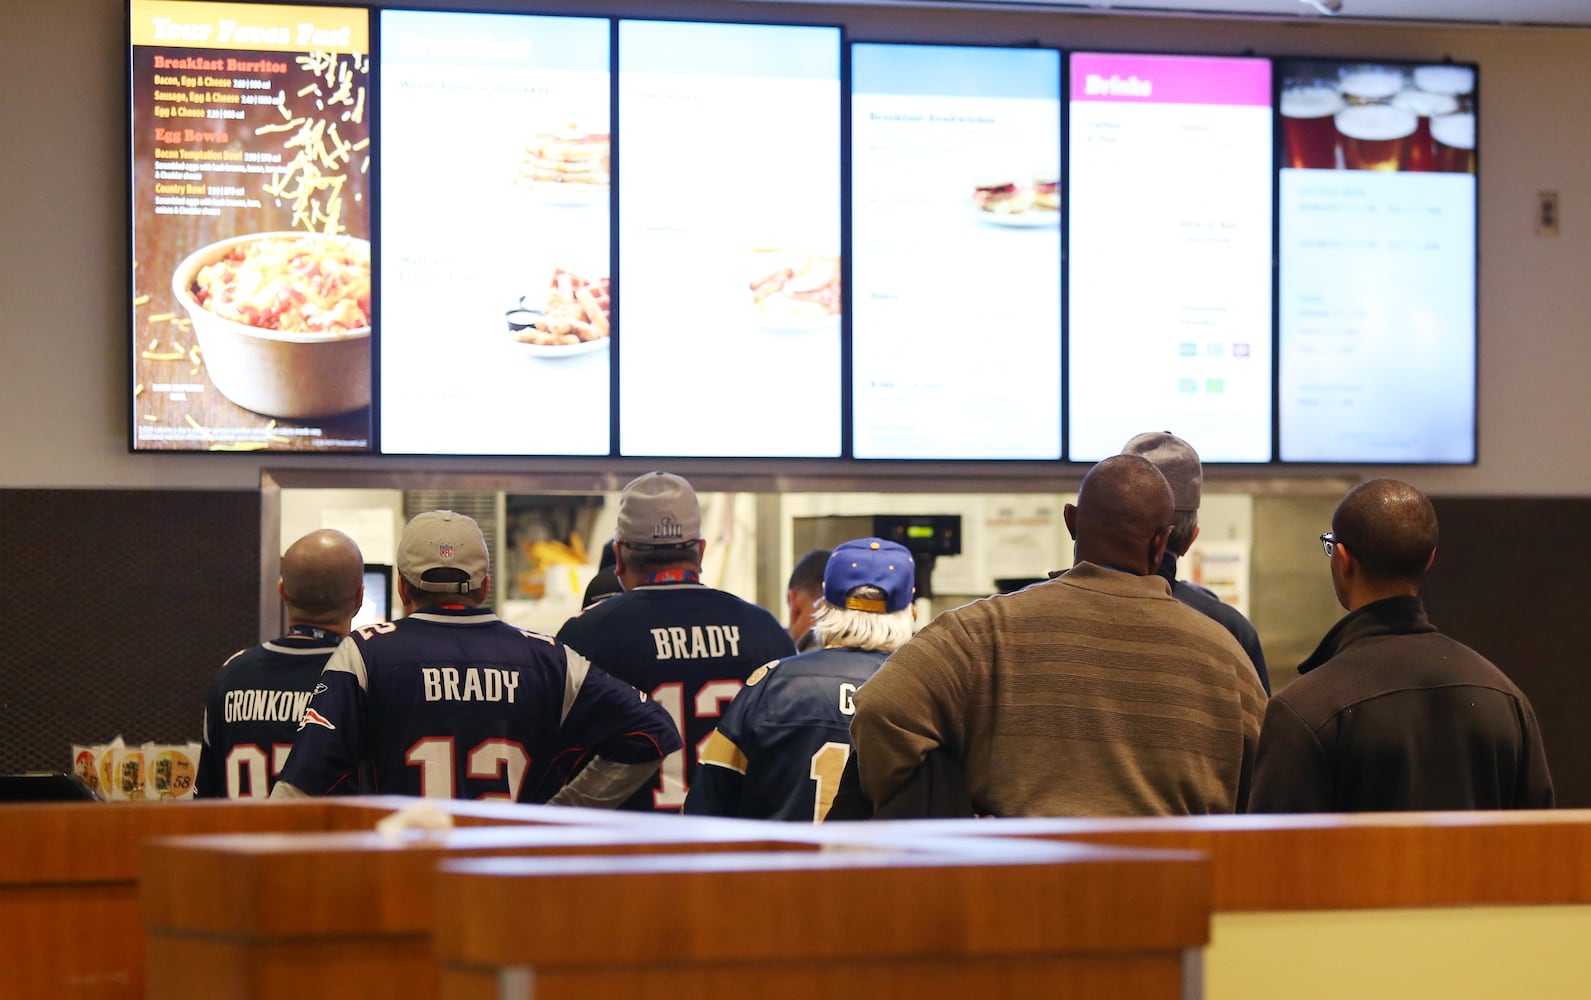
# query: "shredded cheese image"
{"type": "Point", "coordinates": [303, 284]}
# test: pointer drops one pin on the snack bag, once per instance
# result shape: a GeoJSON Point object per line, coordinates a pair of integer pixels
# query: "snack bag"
{"type": "Point", "coordinates": [105, 767]}
{"type": "Point", "coordinates": [128, 770]}
{"type": "Point", "coordinates": [85, 766]}
{"type": "Point", "coordinates": [171, 769]}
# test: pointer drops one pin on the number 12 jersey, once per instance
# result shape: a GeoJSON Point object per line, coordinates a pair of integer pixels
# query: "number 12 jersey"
{"type": "Point", "coordinates": [456, 703]}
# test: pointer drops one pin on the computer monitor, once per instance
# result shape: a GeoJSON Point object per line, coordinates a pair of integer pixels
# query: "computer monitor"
{"type": "Point", "coordinates": [377, 606]}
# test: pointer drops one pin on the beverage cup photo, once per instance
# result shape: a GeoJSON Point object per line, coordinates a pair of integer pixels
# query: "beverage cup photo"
{"type": "Point", "coordinates": [1453, 143]}
{"type": "Point", "coordinates": [1375, 136]}
{"type": "Point", "coordinates": [1457, 82]}
{"type": "Point", "coordinates": [1369, 84]}
{"type": "Point", "coordinates": [1426, 106]}
{"type": "Point", "coordinates": [1309, 131]}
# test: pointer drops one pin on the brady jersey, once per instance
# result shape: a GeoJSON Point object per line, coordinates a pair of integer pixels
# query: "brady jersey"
{"type": "Point", "coordinates": [252, 711]}
{"type": "Point", "coordinates": [456, 703]}
{"type": "Point", "coordinates": [784, 740]}
{"type": "Point", "coordinates": [690, 648]}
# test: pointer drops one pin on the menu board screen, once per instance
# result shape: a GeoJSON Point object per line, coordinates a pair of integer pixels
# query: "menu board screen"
{"type": "Point", "coordinates": [1376, 210]}
{"type": "Point", "coordinates": [1169, 287]}
{"type": "Point", "coordinates": [495, 234]}
{"type": "Point", "coordinates": [729, 239]}
{"type": "Point", "coordinates": [251, 297]}
{"type": "Point", "coordinates": [956, 250]}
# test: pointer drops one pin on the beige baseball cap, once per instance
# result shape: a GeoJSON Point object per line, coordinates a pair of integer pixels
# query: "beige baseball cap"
{"type": "Point", "coordinates": [443, 539]}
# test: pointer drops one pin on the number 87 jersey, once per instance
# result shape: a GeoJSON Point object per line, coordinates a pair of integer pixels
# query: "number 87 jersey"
{"type": "Point", "coordinates": [453, 702]}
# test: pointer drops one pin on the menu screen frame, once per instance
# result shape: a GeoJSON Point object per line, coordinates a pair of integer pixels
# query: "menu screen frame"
{"type": "Point", "coordinates": [503, 309]}
{"type": "Point", "coordinates": [170, 389]}
{"type": "Point", "coordinates": [1441, 444]}
{"type": "Point", "coordinates": [1010, 191]}
{"type": "Point", "coordinates": [766, 272]}
{"type": "Point", "coordinates": [1216, 388]}
{"type": "Point", "coordinates": [249, 147]}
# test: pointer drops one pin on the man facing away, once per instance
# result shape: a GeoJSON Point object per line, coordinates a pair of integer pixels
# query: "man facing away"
{"type": "Point", "coordinates": [784, 740]}
{"type": "Point", "coordinates": [689, 646]}
{"type": "Point", "coordinates": [803, 592]}
{"type": "Point", "coordinates": [1179, 463]}
{"type": "Point", "coordinates": [253, 707]}
{"type": "Point", "coordinates": [452, 702]}
{"type": "Point", "coordinates": [1093, 693]}
{"type": "Point", "coordinates": [1389, 713]}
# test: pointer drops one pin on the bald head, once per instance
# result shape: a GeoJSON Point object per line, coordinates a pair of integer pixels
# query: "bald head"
{"type": "Point", "coordinates": [1123, 515]}
{"type": "Point", "coordinates": [1389, 528]}
{"type": "Point", "coordinates": [323, 579]}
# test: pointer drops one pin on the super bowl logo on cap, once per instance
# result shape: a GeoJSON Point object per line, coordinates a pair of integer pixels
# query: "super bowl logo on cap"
{"type": "Point", "coordinates": [668, 528]}
{"type": "Point", "coordinates": [445, 551]}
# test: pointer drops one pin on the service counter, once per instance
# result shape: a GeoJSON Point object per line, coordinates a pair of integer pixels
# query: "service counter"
{"type": "Point", "coordinates": [588, 902]}
{"type": "Point", "coordinates": [69, 876]}
{"type": "Point", "coordinates": [1391, 905]}
{"type": "Point", "coordinates": [249, 916]}
{"type": "Point", "coordinates": [921, 918]}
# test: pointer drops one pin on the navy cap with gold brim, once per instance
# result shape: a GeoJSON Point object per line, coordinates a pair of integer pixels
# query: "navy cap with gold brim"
{"type": "Point", "coordinates": [874, 562]}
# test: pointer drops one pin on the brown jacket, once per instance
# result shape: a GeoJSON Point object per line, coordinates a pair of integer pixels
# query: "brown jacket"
{"type": "Point", "coordinates": [1095, 693]}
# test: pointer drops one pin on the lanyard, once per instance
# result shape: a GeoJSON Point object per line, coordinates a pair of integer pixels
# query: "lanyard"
{"type": "Point", "coordinates": [671, 576]}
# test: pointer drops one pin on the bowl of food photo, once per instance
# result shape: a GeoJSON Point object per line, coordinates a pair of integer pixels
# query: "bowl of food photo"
{"type": "Point", "coordinates": [283, 320]}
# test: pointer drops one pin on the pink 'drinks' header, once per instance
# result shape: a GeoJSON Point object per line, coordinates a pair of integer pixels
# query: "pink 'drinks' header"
{"type": "Point", "coordinates": [1170, 79]}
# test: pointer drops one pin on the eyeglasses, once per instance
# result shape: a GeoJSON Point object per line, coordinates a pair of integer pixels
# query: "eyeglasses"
{"type": "Point", "coordinates": [1328, 541]}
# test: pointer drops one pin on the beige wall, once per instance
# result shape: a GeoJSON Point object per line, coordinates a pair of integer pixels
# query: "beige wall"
{"type": "Point", "coordinates": [63, 259]}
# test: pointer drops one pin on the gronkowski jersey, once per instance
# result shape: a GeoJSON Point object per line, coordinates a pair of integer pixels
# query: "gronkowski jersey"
{"type": "Point", "coordinates": [690, 648]}
{"type": "Point", "coordinates": [252, 711]}
{"type": "Point", "coordinates": [456, 703]}
{"type": "Point", "coordinates": [784, 740]}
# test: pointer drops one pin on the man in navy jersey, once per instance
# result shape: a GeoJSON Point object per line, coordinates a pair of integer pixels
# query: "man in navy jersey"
{"type": "Point", "coordinates": [688, 646]}
{"type": "Point", "coordinates": [803, 592]}
{"type": "Point", "coordinates": [253, 708]}
{"type": "Point", "coordinates": [1179, 463]}
{"type": "Point", "coordinates": [783, 742]}
{"type": "Point", "coordinates": [453, 702]}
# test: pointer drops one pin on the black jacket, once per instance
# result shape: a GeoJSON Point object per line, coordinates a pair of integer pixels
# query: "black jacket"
{"type": "Point", "coordinates": [1392, 715]}
{"type": "Point", "coordinates": [1205, 602]}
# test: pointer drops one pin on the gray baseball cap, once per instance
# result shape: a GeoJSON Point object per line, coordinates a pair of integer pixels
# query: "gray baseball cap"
{"type": "Point", "coordinates": [443, 539]}
{"type": "Point", "coordinates": [658, 509]}
{"type": "Point", "coordinates": [1177, 461]}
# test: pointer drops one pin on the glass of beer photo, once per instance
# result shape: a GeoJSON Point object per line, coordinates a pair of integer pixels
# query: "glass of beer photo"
{"type": "Point", "coordinates": [1369, 84]}
{"type": "Point", "coordinates": [1457, 82]}
{"type": "Point", "coordinates": [1425, 105]}
{"type": "Point", "coordinates": [1453, 143]}
{"type": "Point", "coordinates": [1307, 126]}
{"type": "Point", "coordinates": [1375, 136]}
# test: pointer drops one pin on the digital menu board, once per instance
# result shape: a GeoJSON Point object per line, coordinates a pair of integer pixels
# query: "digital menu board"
{"type": "Point", "coordinates": [495, 234]}
{"type": "Point", "coordinates": [250, 149]}
{"type": "Point", "coordinates": [956, 252]}
{"type": "Point", "coordinates": [729, 293]}
{"type": "Point", "coordinates": [1376, 297]}
{"type": "Point", "coordinates": [1169, 283]}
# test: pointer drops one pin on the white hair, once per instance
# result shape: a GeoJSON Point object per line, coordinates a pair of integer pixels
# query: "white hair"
{"type": "Point", "coordinates": [886, 631]}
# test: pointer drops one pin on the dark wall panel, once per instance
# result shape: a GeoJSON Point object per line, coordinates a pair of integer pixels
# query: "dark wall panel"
{"type": "Point", "coordinates": [118, 607]}
{"type": "Point", "coordinates": [1507, 582]}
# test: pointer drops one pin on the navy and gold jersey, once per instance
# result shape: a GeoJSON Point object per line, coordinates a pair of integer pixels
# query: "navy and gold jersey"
{"type": "Point", "coordinates": [690, 648]}
{"type": "Point", "coordinates": [456, 703]}
{"type": "Point", "coordinates": [784, 740]}
{"type": "Point", "coordinates": [252, 711]}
